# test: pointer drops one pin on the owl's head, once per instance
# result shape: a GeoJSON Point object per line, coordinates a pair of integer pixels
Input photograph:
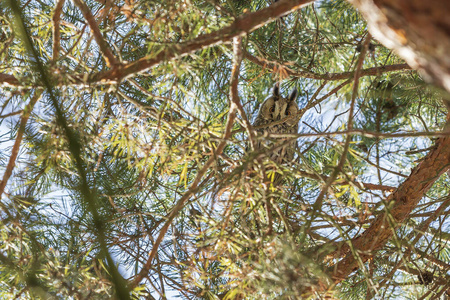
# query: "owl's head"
{"type": "Point", "coordinates": [277, 107]}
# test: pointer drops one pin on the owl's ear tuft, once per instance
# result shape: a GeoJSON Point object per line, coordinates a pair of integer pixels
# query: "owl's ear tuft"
{"type": "Point", "coordinates": [276, 90]}
{"type": "Point", "coordinates": [293, 96]}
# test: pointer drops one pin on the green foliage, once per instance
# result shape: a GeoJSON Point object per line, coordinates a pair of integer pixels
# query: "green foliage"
{"type": "Point", "coordinates": [145, 138]}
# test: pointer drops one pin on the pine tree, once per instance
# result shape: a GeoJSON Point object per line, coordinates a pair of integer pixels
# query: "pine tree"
{"type": "Point", "coordinates": [128, 170]}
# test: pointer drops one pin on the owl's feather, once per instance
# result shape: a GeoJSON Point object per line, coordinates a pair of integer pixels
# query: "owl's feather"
{"type": "Point", "coordinates": [274, 109]}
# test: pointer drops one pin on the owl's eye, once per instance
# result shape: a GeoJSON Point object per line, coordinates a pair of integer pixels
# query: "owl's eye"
{"type": "Point", "coordinates": [288, 113]}
{"type": "Point", "coordinates": [272, 109]}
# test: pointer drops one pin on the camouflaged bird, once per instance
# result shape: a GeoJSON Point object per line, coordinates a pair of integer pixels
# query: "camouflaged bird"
{"type": "Point", "coordinates": [268, 121]}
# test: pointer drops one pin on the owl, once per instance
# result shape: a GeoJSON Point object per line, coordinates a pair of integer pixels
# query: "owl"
{"type": "Point", "coordinates": [274, 109]}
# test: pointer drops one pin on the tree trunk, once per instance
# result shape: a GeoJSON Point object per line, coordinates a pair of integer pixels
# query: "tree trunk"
{"type": "Point", "coordinates": [403, 201]}
{"type": "Point", "coordinates": [417, 30]}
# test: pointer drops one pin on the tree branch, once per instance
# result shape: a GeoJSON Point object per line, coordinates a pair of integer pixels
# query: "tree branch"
{"type": "Point", "coordinates": [110, 59]}
{"type": "Point", "coordinates": [418, 31]}
{"type": "Point", "coordinates": [318, 203]}
{"type": "Point", "coordinates": [56, 33]}
{"type": "Point", "coordinates": [243, 24]}
{"type": "Point", "coordinates": [362, 185]}
{"type": "Point", "coordinates": [195, 184]}
{"type": "Point", "coordinates": [8, 80]}
{"type": "Point", "coordinates": [15, 150]}
{"type": "Point", "coordinates": [267, 64]}
{"type": "Point", "coordinates": [404, 199]}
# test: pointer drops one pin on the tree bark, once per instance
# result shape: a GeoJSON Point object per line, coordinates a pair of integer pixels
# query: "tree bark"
{"type": "Point", "coordinates": [417, 30]}
{"type": "Point", "coordinates": [400, 203]}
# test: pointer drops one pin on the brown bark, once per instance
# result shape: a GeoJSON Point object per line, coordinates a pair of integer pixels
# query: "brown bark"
{"type": "Point", "coordinates": [267, 64]}
{"type": "Point", "coordinates": [419, 31]}
{"type": "Point", "coordinates": [243, 24]}
{"type": "Point", "coordinates": [404, 199]}
{"type": "Point", "coordinates": [108, 55]}
{"type": "Point", "coordinates": [8, 80]}
{"type": "Point", "coordinates": [237, 50]}
{"type": "Point", "coordinates": [56, 19]}
{"type": "Point", "coordinates": [16, 147]}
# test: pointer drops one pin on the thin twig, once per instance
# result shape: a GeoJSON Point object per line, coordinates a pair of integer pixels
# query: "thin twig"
{"type": "Point", "coordinates": [195, 184]}
{"type": "Point", "coordinates": [343, 158]}
{"type": "Point", "coordinates": [318, 101]}
{"type": "Point", "coordinates": [56, 25]}
{"type": "Point", "coordinates": [7, 79]}
{"type": "Point", "coordinates": [243, 24]}
{"type": "Point", "coordinates": [75, 149]}
{"type": "Point", "coordinates": [361, 132]}
{"type": "Point", "coordinates": [110, 59]}
{"type": "Point", "coordinates": [270, 65]}
{"type": "Point", "coordinates": [318, 203]}
{"type": "Point", "coordinates": [11, 114]}
{"type": "Point", "coordinates": [236, 100]}
{"type": "Point", "coordinates": [405, 199]}
{"type": "Point", "coordinates": [15, 150]}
